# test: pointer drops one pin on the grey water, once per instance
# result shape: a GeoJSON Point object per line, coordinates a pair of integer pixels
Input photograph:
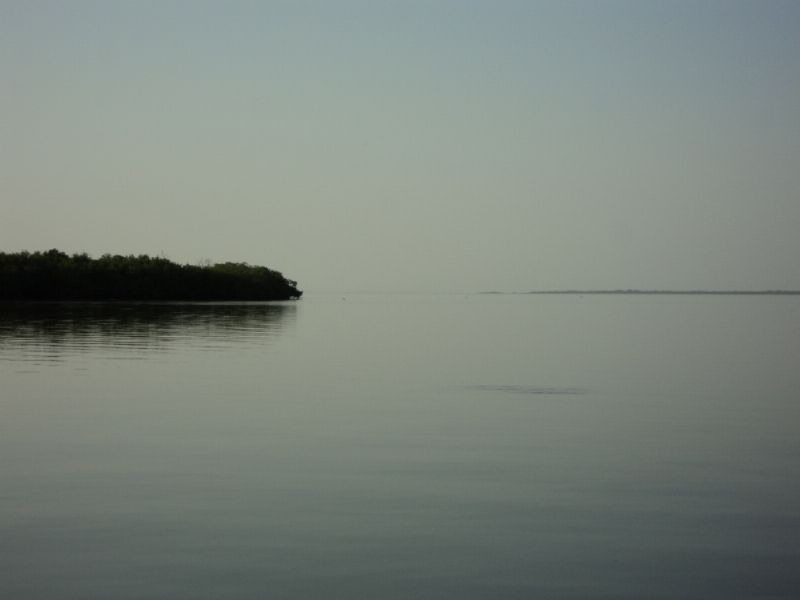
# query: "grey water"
{"type": "Point", "coordinates": [402, 446]}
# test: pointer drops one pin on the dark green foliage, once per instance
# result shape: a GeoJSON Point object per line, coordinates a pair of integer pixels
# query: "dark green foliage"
{"type": "Point", "coordinates": [54, 275]}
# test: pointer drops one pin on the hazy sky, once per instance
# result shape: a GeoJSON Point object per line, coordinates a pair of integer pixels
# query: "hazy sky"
{"type": "Point", "coordinates": [409, 145]}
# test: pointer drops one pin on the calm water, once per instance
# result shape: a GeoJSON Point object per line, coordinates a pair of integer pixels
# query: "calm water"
{"type": "Point", "coordinates": [402, 446]}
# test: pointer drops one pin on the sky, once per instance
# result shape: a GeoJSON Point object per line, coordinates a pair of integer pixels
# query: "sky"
{"type": "Point", "coordinates": [432, 146]}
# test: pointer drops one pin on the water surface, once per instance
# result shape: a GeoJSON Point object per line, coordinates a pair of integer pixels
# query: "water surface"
{"type": "Point", "coordinates": [377, 446]}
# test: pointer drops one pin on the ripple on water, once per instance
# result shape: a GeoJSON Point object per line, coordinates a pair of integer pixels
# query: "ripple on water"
{"type": "Point", "coordinates": [532, 390]}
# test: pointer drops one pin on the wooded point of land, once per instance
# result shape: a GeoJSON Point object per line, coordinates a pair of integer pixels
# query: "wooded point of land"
{"type": "Point", "coordinates": [55, 275]}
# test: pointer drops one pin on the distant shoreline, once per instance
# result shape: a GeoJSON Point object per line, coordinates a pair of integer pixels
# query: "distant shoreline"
{"type": "Point", "coordinates": [658, 292]}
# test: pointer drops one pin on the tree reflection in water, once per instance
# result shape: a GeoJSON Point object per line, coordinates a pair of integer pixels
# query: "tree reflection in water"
{"type": "Point", "coordinates": [44, 330]}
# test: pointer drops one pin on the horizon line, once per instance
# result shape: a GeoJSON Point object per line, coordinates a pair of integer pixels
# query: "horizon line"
{"type": "Point", "coordinates": [775, 292]}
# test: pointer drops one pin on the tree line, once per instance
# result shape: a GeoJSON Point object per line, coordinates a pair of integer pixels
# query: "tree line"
{"type": "Point", "coordinates": [55, 275]}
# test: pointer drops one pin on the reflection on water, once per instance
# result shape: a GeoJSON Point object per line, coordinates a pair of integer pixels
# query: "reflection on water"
{"type": "Point", "coordinates": [47, 332]}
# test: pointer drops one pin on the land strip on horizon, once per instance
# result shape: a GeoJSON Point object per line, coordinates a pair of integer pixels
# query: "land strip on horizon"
{"type": "Point", "coordinates": [665, 292]}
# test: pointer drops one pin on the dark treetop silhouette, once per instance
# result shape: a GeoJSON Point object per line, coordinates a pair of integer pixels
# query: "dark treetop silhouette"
{"type": "Point", "coordinates": [54, 275]}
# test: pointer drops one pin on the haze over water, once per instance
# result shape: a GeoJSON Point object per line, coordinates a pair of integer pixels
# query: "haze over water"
{"type": "Point", "coordinates": [415, 145]}
{"type": "Point", "coordinates": [397, 446]}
